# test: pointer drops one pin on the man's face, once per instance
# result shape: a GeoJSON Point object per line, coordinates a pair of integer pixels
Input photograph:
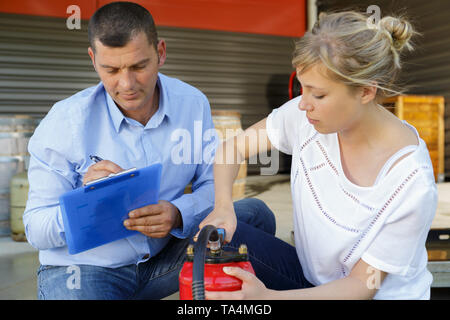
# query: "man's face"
{"type": "Point", "coordinates": [129, 73]}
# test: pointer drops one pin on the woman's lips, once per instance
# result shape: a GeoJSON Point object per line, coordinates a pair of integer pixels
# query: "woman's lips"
{"type": "Point", "coordinates": [312, 121]}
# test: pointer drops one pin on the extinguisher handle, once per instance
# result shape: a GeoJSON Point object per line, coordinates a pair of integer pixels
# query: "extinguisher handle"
{"type": "Point", "coordinates": [222, 233]}
{"type": "Point", "coordinates": [217, 237]}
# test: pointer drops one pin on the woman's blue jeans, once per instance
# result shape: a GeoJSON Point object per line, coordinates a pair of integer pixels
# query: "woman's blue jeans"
{"type": "Point", "coordinates": [274, 261]}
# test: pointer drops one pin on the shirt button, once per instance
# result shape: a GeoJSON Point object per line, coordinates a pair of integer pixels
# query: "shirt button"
{"type": "Point", "coordinates": [146, 256]}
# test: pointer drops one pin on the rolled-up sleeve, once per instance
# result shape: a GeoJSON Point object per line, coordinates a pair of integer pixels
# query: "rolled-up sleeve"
{"type": "Point", "coordinates": [49, 175]}
{"type": "Point", "coordinates": [284, 124]}
{"type": "Point", "coordinates": [407, 228]}
{"type": "Point", "coordinates": [196, 206]}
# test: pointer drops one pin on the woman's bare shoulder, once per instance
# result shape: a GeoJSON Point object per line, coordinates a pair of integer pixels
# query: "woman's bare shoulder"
{"type": "Point", "coordinates": [405, 136]}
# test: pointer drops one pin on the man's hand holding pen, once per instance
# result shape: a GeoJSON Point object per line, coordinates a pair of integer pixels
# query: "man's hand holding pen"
{"type": "Point", "coordinates": [155, 220]}
{"type": "Point", "coordinates": [101, 168]}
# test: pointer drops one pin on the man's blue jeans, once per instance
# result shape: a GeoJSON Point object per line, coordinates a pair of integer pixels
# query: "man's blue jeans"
{"type": "Point", "coordinates": [158, 277]}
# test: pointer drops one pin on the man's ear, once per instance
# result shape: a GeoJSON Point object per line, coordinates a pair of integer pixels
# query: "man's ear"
{"type": "Point", "coordinates": [91, 54]}
{"type": "Point", "coordinates": [368, 93]}
{"type": "Point", "coordinates": [161, 51]}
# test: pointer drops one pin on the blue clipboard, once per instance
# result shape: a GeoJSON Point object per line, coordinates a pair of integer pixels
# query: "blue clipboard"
{"type": "Point", "coordinates": [93, 215]}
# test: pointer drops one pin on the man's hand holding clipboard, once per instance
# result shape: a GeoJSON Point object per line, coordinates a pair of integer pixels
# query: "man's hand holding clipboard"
{"type": "Point", "coordinates": [155, 220]}
{"type": "Point", "coordinates": [94, 214]}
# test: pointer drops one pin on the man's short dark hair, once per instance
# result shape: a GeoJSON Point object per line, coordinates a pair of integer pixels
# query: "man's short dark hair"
{"type": "Point", "coordinates": [116, 23]}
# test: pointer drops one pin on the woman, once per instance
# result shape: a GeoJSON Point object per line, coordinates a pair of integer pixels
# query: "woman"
{"type": "Point", "coordinates": [362, 181]}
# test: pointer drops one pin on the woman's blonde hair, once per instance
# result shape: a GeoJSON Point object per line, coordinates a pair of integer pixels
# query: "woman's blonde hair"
{"type": "Point", "coordinates": [356, 50]}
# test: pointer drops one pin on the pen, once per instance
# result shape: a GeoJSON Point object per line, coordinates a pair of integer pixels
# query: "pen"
{"type": "Point", "coordinates": [95, 159]}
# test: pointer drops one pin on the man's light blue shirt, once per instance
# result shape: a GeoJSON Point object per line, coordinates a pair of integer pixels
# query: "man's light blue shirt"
{"type": "Point", "coordinates": [180, 135]}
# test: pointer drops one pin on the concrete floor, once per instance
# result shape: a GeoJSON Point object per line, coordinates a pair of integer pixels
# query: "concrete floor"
{"type": "Point", "coordinates": [18, 266]}
{"type": "Point", "coordinates": [19, 261]}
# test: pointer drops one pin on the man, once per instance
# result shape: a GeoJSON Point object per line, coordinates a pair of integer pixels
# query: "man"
{"type": "Point", "coordinates": [134, 117]}
{"type": "Point", "coordinates": [128, 119]}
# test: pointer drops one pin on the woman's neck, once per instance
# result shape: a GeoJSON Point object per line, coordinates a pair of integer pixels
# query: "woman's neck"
{"type": "Point", "coordinates": [367, 129]}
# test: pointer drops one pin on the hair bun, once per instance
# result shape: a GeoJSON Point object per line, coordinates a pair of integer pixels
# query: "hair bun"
{"type": "Point", "coordinates": [399, 30]}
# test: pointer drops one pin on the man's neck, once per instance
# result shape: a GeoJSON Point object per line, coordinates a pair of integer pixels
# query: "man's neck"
{"type": "Point", "coordinates": [143, 115]}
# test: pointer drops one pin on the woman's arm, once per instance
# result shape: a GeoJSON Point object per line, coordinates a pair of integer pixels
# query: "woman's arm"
{"type": "Point", "coordinates": [362, 283]}
{"type": "Point", "coordinates": [232, 153]}
{"type": "Point", "coordinates": [229, 156]}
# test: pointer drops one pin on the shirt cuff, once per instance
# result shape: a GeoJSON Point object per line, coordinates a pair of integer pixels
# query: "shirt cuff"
{"type": "Point", "coordinates": [186, 208]}
{"type": "Point", "coordinates": [383, 266]}
{"type": "Point", "coordinates": [61, 229]}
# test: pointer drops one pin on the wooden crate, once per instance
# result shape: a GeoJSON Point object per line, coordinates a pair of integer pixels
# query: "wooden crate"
{"type": "Point", "coordinates": [438, 240]}
{"type": "Point", "coordinates": [438, 245]}
{"type": "Point", "coordinates": [426, 114]}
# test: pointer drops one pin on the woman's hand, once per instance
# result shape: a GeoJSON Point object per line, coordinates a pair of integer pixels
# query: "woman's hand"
{"type": "Point", "coordinates": [226, 171]}
{"type": "Point", "coordinates": [221, 217]}
{"type": "Point", "coordinates": [252, 287]}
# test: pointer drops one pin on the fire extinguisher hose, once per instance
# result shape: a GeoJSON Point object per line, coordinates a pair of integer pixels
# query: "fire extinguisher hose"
{"type": "Point", "coordinates": [208, 232]}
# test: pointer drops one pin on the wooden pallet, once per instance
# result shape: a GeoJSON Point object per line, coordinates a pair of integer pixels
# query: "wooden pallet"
{"type": "Point", "coordinates": [438, 245]}
{"type": "Point", "coordinates": [438, 241]}
{"type": "Point", "coordinates": [441, 273]}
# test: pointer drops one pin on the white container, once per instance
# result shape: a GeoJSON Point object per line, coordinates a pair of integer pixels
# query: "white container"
{"type": "Point", "coordinates": [15, 133]}
{"type": "Point", "coordinates": [18, 123]}
{"type": "Point", "coordinates": [5, 228]}
{"type": "Point", "coordinates": [14, 143]}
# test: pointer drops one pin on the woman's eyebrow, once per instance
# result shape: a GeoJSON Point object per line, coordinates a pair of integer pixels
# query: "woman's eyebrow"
{"type": "Point", "coordinates": [312, 87]}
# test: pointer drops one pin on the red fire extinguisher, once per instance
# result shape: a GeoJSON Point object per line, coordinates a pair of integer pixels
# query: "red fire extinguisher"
{"type": "Point", "coordinates": [295, 88]}
{"type": "Point", "coordinates": [203, 268]}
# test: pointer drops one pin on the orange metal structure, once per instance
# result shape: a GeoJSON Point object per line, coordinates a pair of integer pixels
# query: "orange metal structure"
{"type": "Point", "coordinates": [272, 17]}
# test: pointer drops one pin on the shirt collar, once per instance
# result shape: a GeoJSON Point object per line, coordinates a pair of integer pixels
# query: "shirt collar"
{"type": "Point", "coordinates": [164, 103]}
{"type": "Point", "coordinates": [154, 122]}
{"type": "Point", "coordinates": [114, 111]}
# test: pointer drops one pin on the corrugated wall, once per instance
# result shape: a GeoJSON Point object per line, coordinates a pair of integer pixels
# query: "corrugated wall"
{"type": "Point", "coordinates": [42, 61]}
{"type": "Point", "coordinates": [427, 69]}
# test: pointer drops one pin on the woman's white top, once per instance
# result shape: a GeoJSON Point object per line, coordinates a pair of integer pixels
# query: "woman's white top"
{"type": "Point", "coordinates": [336, 222]}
